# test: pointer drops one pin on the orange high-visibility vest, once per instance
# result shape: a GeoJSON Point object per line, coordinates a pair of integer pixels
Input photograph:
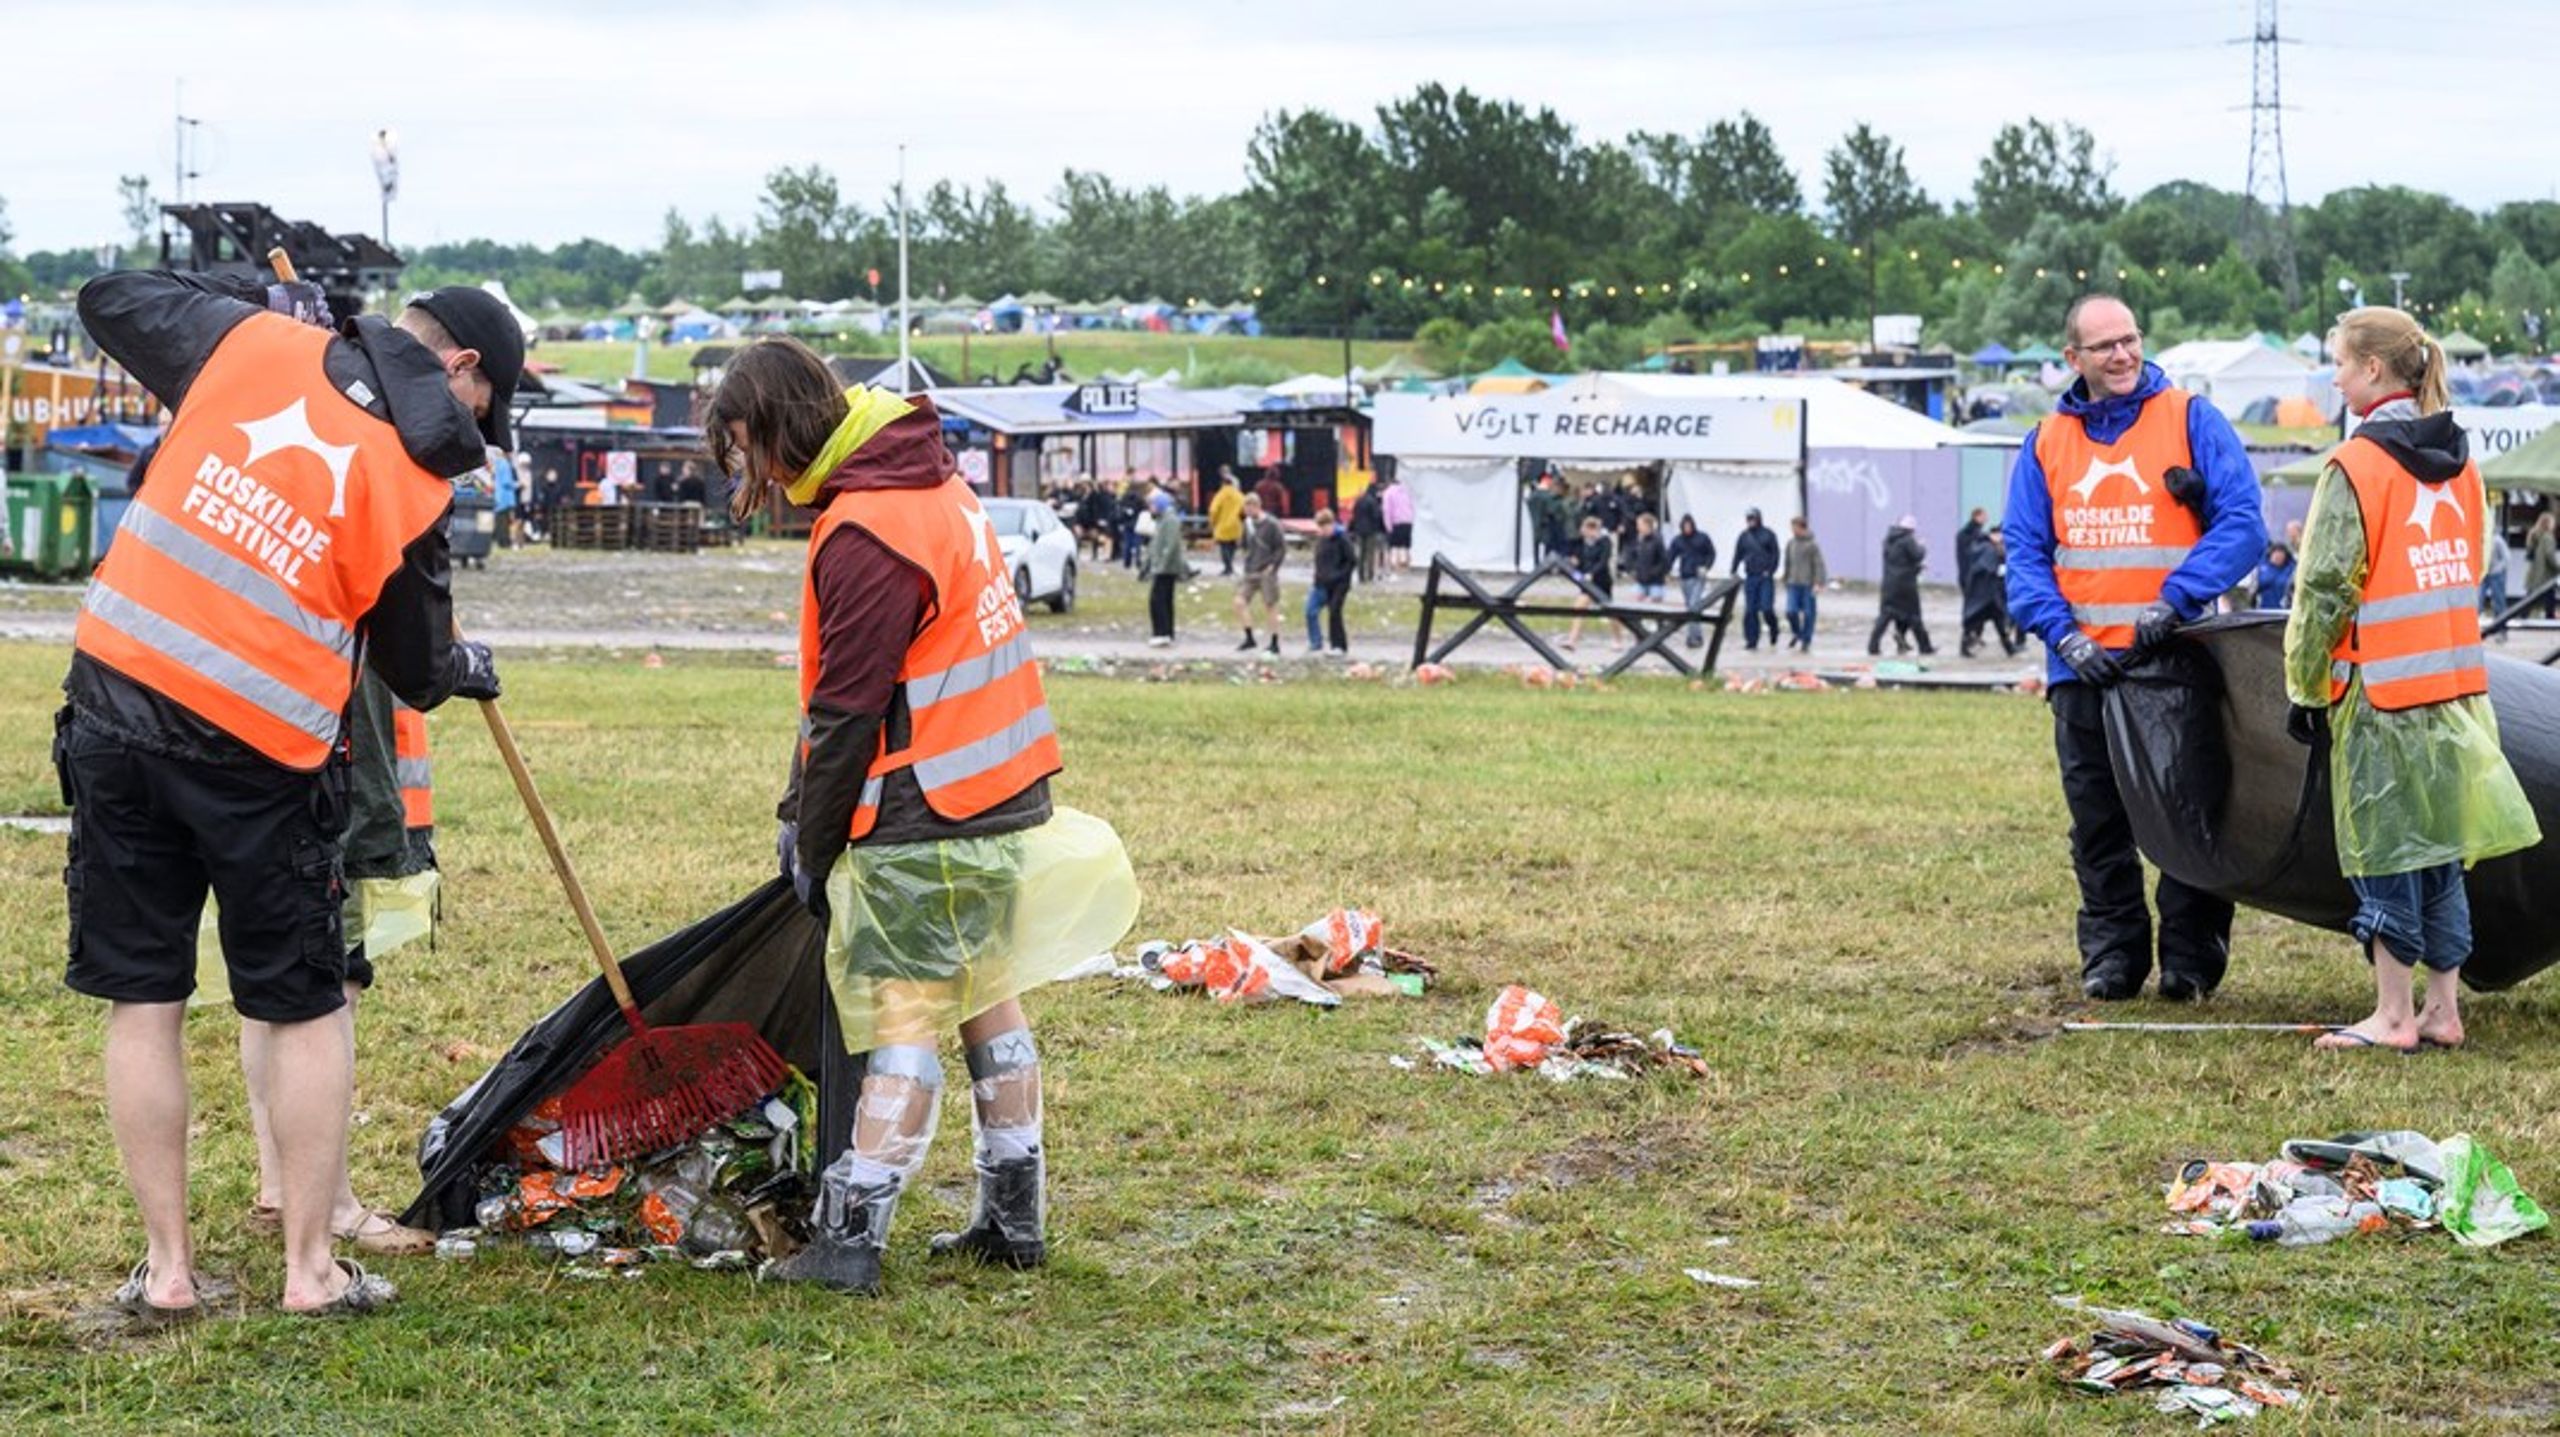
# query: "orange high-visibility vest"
{"type": "Point", "coordinates": [276, 510]}
{"type": "Point", "coordinates": [2417, 631]}
{"type": "Point", "coordinates": [411, 766]}
{"type": "Point", "coordinates": [2117, 535]}
{"type": "Point", "coordinates": [980, 731]}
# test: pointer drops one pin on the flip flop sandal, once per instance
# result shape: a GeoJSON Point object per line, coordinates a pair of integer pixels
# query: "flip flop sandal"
{"type": "Point", "coordinates": [364, 1295]}
{"type": "Point", "coordinates": [2356, 1041]}
{"type": "Point", "coordinates": [381, 1233]}
{"type": "Point", "coordinates": [149, 1316]}
{"type": "Point", "coordinates": [264, 1218]}
{"type": "Point", "coordinates": [2440, 1046]}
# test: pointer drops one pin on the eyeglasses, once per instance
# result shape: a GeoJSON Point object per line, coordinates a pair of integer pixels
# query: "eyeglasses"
{"type": "Point", "coordinates": [2109, 348]}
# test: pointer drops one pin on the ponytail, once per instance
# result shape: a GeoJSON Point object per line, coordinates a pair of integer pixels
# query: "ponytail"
{"type": "Point", "coordinates": [2434, 392]}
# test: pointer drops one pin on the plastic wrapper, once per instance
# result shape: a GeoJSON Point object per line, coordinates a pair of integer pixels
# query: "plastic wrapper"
{"type": "Point", "coordinates": [924, 936]}
{"type": "Point", "coordinates": [2482, 1205]}
{"type": "Point", "coordinates": [1520, 1028]}
{"type": "Point", "coordinates": [2220, 796]}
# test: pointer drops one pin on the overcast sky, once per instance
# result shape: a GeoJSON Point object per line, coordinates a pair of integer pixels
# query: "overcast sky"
{"type": "Point", "coordinates": [546, 123]}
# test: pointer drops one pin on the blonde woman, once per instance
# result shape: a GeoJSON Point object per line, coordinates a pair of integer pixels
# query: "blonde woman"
{"type": "Point", "coordinates": [2383, 663]}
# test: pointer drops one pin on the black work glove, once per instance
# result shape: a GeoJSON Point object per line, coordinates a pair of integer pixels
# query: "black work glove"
{"type": "Point", "coordinates": [2306, 725]}
{"type": "Point", "coordinates": [810, 888]}
{"type": "Point", "coordinates": [2154, 626]}
{"type": "Point", "coordinates": [2187, 487]}
{"type": "Point", "coordinates": [2093, 664]}
{"type": "Point", "coordinates": [476, 675]}
{"type": "Point", "coordinates": [302, 301]}
{"type": "Point", "coordinates": [786, 849]}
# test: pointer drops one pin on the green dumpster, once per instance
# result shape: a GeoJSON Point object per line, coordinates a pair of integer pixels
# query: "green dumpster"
{"type": "Point", "coordinates": [49, 519]}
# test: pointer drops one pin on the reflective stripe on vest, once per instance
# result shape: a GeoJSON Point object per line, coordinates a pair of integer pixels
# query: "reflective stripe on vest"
{"type": "Point", "coordinates": [412, 768]}
{"type": "Point", "coordinates": [2118, 534]}
{"type": "Point", "coordinates": [274, 512]}
{"type": "Point", "coordinates": [2416, 635]}
{"type": "Point", "coordinates": [210, 662]}
{"type": "Point", "coordinates": [979, 729]}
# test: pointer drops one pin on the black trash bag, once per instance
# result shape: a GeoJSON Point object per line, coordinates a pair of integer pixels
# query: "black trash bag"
{"type": "Point", "coordinates": [758, 961]}
{"type": "Point", "coordinates": [2222, 798]}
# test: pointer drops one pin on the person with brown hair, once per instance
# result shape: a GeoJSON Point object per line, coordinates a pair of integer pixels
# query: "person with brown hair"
{"type": "Point", "coordinates": [2384, 669]}
{"type": "Point", "coordinates": [917, 823]}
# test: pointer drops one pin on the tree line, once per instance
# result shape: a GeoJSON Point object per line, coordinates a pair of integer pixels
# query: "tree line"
{"type": "Point", "coordinates": [1464, 221]}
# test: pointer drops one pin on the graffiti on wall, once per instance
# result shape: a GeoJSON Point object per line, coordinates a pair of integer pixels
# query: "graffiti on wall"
{"type": "Point", "coordinates": [1842, 474]}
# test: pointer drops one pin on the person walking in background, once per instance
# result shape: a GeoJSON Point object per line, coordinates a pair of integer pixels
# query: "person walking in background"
{"type": "Point", "coordinates": [1755, 558]}
{"type": "Point", "coordinates": [1336, 559]}
{"type": "Point", "coordinates": [1273, 494]}
{"type": "Point", "coordinates": [1550, 518]}
{"type": "Point", "coordinates": [503, 497]}
{"type": "Point", "coordinates": [1226, 520]}
{"type": "Point", "coordinates": [1165, 563]}
{"type": "Point", "coordinates": [1693, 558]}
{"type": "Point", "coordinates": [2493, 574]}
{"type": "Point", "coordinates": [1130, 515]}
{"type": "Point", "coordinates": [2384, 670]}
{"type": "Point", "coordinates": [1396, 507]}
{"type": "Point", "coordinates": [1898, 593]}
{"type": "Point", "coordinates": [1968, 539]}
{"type": "Point", "coordinates": [1594, 563]}
{"type": "Point", "coordinates": [1265, 546]}
{"type": "Point", "coordinates": [2275, 578]}
{"type": "Point", "coordinates": [2542, 559]}
{"type": "Point", "coordinates": [1986, 595]}
{"type": "Point", "coordinates": [1369, 527]}
{"type": "Point", "coordinates": [1806, 574]}
{"type": "Point", "coordinates": [2130, 511]}
{"type": "Point", "coordinates": [1649, 560]}
{"type": "Point", "coordinates": [1098, 519]}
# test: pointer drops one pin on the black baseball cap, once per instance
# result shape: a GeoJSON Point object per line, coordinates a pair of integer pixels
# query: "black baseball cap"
{"type": "Point", "coordinates": [477, 320]}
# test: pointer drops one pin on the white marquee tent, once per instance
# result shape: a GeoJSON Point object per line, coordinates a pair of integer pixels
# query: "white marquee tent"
{"type": "Point", "coordinates": [2236, 373]}
{"type": "Point", "coordinates": [1727, 444]}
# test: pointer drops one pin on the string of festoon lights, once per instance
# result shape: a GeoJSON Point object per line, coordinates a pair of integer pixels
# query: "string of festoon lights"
{"type": "Point", "coordinates": [1416, 285]}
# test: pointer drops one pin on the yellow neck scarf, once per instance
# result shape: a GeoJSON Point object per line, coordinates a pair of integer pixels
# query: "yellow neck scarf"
{"type": "Point", "coordinates": [867, 411]}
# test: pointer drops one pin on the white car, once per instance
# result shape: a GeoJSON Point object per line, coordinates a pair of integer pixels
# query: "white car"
{"type": "Point", "coordinates": [1039, 548]}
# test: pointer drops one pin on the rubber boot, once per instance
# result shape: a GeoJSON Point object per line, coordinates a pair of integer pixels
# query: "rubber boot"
{"type": "Point", "coordinates": [1006, 1229]}
{"type": "Point", "coordinates": [849, 1232]}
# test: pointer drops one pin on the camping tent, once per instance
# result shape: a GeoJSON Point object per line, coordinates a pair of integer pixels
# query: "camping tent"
{"type": "Point", "coordinates": [1993, 355]}
{"type": "Point", "coordinates": [1511, 377]}
{"type": "Point", "coordinates": [2235, 373]}
{"type": "Point", "coordinates": [2459, 345]}
{"type": "Point", "coordinates": [2037, 353]}
{"type": "Point", "coordinates": [2533, 465]}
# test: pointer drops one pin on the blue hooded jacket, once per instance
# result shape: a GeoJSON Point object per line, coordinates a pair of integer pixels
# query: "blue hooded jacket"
{"type": "Point", "coordinates": [2235, 528]}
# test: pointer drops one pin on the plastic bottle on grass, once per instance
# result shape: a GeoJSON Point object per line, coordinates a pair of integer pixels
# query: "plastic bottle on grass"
{"type": "Point", "coordinates": [2306, 1221]}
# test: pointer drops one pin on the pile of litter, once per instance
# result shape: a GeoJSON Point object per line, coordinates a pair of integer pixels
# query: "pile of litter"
{"type": "Point", "coordinates": [2313, 1192]}
{"type": "Point", "coordinates": [1343, 954]}
{"type": "Point", "coordinates": [2190, 1367]}
{"type": "Point", "coordinates": [1526, 1029]}
{"type": "Point", "coordinates": [727, 1201]}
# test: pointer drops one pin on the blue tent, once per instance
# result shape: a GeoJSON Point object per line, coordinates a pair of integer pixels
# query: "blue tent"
{"type": "Point", "coordinates": [1993, 355]}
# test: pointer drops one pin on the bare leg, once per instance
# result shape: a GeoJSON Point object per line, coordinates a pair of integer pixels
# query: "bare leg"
{"type": "Point", "coordinates": [2394, 1023]}
{"type": "Point", "coordinates": [2440, 1021]}
{"type": "Point", "coordinates": [310, 1069]}
{"type": "Point", "coordinates": [256, 1059]}
{"type": "Point", "coordinates": [147, 1109]}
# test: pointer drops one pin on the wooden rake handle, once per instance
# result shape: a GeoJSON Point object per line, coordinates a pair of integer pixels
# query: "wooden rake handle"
{"type": "Point", "coordinates": [534, 809]}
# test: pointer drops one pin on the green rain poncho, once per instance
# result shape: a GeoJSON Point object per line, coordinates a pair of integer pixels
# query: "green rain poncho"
{"type": "Point", "coordinates": [2411, 788]}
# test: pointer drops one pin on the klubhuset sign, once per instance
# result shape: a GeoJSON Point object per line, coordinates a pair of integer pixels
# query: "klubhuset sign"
{"type": "Point", "coordinates": [1617, 428]}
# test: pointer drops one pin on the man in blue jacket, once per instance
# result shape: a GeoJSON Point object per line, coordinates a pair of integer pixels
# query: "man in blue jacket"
{"type": "Point", "coordinates": [2129, 512]}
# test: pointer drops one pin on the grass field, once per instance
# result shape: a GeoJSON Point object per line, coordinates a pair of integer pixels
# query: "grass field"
{"type": "Point", "coordinates": [1211, 359]}
{"type": "Point", "coordinates": [1857, 904]}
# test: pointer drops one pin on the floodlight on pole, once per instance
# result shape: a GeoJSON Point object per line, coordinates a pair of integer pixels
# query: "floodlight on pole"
{"type": "Point", "coordinates": [386, 173]}
{"type": "Point", "coordinates": [2399, 279]}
